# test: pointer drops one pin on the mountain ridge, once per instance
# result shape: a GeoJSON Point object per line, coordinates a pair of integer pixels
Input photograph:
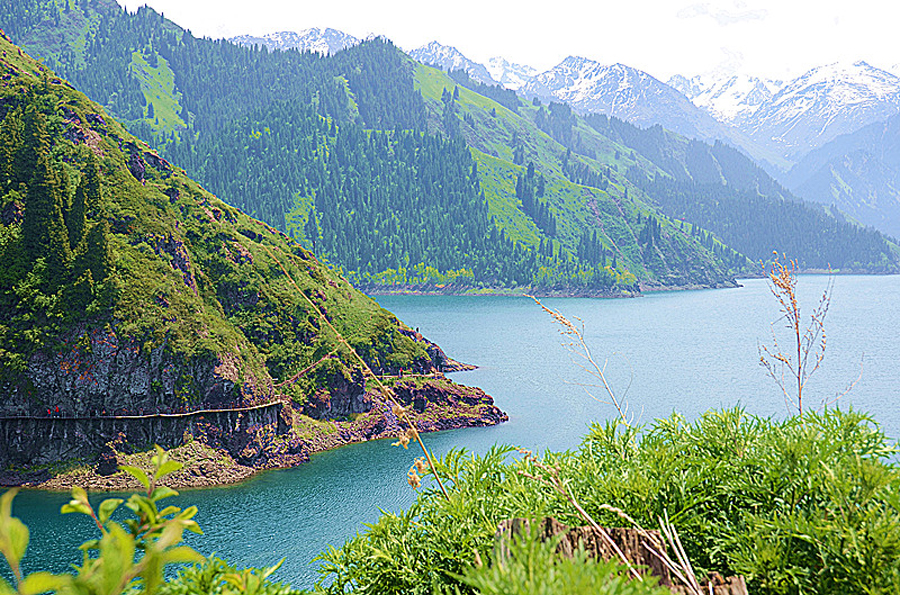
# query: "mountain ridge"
{"type": "Point", "coordinates": [322, 41]}
{"type": "Point", "coordinates": [449, 58]}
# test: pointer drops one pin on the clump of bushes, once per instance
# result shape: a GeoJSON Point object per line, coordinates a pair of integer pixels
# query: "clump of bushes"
{"type": "Point", "coordinates": [805, 505]}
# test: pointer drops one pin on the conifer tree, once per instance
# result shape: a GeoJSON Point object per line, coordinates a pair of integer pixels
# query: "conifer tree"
{"type": "Point", "coordinates": [11, 141]}
{"type": "Point", "coordinates": [84, 204]}
{"type": "Point", "coordinates": [35, 142]}
{"type": "Point", "coordinates": [97, 258]}
{"type": "Point", "coordinates": [43, 230]}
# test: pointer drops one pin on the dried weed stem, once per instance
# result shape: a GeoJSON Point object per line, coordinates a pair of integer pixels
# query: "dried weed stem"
{"type": "Point", "coordinates": [792, 367]}
{"type": "Point", "coordinates": [579, 349]}
{"type": "Point", "coordinates": [388, 394]}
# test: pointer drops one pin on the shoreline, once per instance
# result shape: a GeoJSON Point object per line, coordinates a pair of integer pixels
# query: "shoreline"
{"type": "Point", "coordinates": [643, 287]}
{"type": "Point", "coordinates": [435, 404]}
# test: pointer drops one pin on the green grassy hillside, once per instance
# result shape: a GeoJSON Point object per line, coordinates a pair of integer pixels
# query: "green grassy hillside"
{"type": "Point", "coordinates": [113, 257]}
{"type": "Point", "coordinates": [608, 207]}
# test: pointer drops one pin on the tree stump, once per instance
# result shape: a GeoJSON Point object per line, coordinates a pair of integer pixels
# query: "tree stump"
{"type": "Point", "coordinates": [638, 547]}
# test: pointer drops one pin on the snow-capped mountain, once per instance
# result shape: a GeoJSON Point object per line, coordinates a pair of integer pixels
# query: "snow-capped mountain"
{"type": "Point", "coordinates": [509, 74]}
{"type": "Point", "coordinates": [624, 92]}
{"type": "Point", "coordinates": [729, 98]}
{"type": "Point", "coordinates": [447, 57]}
{"type": "Point", "coordinates": [322, 41]}
{"type": "Point", "coordinates": [822, 104]}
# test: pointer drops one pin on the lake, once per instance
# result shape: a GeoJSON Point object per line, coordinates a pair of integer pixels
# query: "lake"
{"type": "Point", "coordinates": [683, 352]}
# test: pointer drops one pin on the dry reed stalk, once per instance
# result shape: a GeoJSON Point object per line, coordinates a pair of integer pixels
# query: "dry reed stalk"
{"type": "Point", "coordinates": [396, 407]}
{"type": "Point", "coordinates": [579, 348]}
{"type": "Point", "coordinates": [793, 367]}
{"type": "Point", "coordinates": [680, 568]}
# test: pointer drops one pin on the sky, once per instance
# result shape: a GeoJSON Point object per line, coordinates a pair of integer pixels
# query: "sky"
{"type": "Point", "coordinates": [778, 39]}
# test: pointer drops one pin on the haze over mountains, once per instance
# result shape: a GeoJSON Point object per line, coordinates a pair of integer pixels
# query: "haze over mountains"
{"type": "Point", "coordinates": [778, 123]}
{"type": "Point", "coordinates": [790, 118]}
{"type": "Point", "coordinates": [317, 40]}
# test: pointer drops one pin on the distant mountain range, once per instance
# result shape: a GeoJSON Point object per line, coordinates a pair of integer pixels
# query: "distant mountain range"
{"type": "Point", "coordinates": [552, 187]}
{"type": "Point", "coordinates": [727, 98]}
{"type": "Point", "coordinates": [447, 57]}
{"type": "Point", "coordinates": [625, 93]}
{"type": "Point", "coordinates": [772, 120]}
{"type": "Point", "coordinates": [779, 123]}
{"type": "Point", "coordinates": [823, 104]}
{"type": "Point", "coordinates": [859, 173]}
{"type": "Point", "coordinates": [510, 75]}
{"type": "Point", "coordinates": [321, 41]}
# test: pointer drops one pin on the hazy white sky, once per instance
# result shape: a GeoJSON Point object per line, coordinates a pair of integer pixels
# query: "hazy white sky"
{"type": "Point", "coordinates": [774, 38]}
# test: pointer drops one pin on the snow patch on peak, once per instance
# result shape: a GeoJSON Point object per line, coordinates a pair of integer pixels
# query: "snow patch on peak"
{"type": "Point", "coordinates": [315, 39]}
{"type": "Point", "coordinates": [824, 103]}
{"type": "Point", "coordinates": [728, 98]}
{"type": "Point", "coordinates": [509, 74]}
{"type": "Point", "coordinates": [624, 92]}
{"type": "Point", "coordinates": [448, 57]}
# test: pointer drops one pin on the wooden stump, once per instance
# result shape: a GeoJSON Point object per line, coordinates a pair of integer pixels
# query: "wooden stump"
{"type": "Point", "coordinates": [638, 548]}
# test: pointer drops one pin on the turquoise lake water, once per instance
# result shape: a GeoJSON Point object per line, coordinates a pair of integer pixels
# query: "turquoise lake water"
{"type": "Point", "coordinates": [682, 352]}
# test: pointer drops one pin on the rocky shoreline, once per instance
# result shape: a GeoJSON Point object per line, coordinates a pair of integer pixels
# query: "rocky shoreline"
{"type": "Point", "coordinates": [212, 457]}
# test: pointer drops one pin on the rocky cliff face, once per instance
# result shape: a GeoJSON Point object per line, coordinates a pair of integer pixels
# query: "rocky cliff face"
{"type": "Point", "coordinates": [37, 441]}
{"type": "Point", "coordinates": [99, 372]}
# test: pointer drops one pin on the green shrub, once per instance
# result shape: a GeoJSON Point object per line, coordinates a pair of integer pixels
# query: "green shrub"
{"type": "Point", "coordinates": [804, 505]}
{"type": "Point", "coordinates": [133, 555]}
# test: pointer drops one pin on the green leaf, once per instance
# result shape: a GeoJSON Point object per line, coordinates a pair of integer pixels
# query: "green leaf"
{"type": "Point", "coordinates": [144, 505]}
{"type": "Point", "coordinates": [182, 553]}
{"type": "Point", "coordinates": [188, 513]}
{"type": "Point", "coordinates": [167, 467]}
{"type": "Point", "coordinates": [74, 506]}
{"type": "Point", "coordinates": [267, 572]}
{"type": "Point", "coordinates": [91, 544]}
{"type": "Point", "coordinates": [193, 527]}
{"type": "Point", "coordinates": [138, 474]}
{"type": "Point", "coordinates": [107, 507]}
{"type": "Point", "coordinates": [17, 533]}
{"type": "Point", "coordinates": [162, 492]}
{"type": "Point", "coordinates": [43, 582]}
{"type": "Point", "coordinates": [5, 589]}
{"type": "Point", "coordinates": [6, 504]}
{"type": "Point", "coordinates": [117, 555]}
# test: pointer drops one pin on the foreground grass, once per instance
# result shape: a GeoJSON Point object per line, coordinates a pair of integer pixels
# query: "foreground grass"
{"type": "Point", "coordinates": [804, 505]}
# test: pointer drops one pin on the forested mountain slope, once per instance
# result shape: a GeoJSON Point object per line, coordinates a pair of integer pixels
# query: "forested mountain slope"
{"type": "Point", "coordinates": [720, 189]}
{"type": "Point", "coordinates": [858, 172]}
{"type": "Point", "coordinates": [401, 175]}
{"type": "Point", "coordinates": [712, 192]}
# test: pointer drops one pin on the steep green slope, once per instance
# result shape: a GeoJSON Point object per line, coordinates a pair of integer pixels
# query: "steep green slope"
{"type": "Point", "coordinates": [859, 173]}
{"type": "Point", "coordinates": [597, 218]}
{"type": "Point", "coordinates": [713, 186]}
{"type": "Point", "coordinates": [128, 287]}
{"type": "Point", "coordinates": [720, 189]}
